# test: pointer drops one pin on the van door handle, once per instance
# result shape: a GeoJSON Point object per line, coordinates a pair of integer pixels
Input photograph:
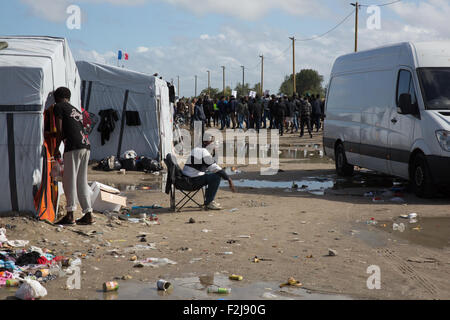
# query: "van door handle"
{"type": "Point", "coordinates": [394, 121]}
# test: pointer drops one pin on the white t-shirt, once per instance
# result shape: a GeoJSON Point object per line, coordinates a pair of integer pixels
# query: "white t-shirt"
{"type": "Point", "coordinates": [203, 162]}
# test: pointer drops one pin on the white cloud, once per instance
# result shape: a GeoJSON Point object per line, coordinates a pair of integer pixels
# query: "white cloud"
{"type": "Point", "coordinates": [246, 10]}
{"type": "Point", "coordinates": [142, 49]}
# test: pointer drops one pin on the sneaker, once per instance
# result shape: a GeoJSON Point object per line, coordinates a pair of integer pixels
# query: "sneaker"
{"type": "Point", "coordinates": [213, 206]}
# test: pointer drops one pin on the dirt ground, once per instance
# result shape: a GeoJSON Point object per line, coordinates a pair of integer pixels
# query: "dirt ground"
{"type": "Point", "coordinates": [294, 229]}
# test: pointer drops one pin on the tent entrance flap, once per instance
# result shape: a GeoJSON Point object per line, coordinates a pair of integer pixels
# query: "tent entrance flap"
{"type": "Point", "coordinates": [122, 124]}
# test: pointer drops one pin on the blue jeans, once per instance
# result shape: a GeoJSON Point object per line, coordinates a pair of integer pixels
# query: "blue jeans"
{"type": "Point", "coordinates": [241, 121]}
{"type": "Point", "coordinates": [211, 181]}
{"type": "Point", "coordinates": [295, 120]}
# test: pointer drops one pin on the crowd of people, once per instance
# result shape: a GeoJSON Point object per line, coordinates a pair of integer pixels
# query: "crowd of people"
{"type": "Point", "coordinates": [286, 114]}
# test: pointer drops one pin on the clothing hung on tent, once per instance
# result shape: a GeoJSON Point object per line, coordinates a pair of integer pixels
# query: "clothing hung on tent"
{"type": "Point", "coordinates": [107, 123]}
{"type": "Point", "coordinates": [133, 118]}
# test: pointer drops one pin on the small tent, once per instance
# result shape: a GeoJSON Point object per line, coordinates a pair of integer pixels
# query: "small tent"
{"type": "Point", "coordinates": [31, 68]}
{"type": "Point", "coordinates": [125, 92]}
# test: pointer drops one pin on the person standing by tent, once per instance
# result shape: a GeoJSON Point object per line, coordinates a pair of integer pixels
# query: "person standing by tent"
{"type": "Point", "coordinates": [70, 130]}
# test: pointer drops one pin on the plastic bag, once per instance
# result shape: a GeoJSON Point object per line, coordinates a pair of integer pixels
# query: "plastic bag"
{"type": "Point", "coordinates": [30, 290]}
{"type": "Point", "coordinates": [57, 169]}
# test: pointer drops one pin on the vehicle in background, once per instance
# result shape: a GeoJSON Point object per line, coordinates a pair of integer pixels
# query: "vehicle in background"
{"type": "Point", "coordinates": [388, 110]}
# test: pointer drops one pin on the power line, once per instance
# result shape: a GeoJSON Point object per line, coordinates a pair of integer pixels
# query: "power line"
{"type": "Point", "coordinates": [380, 5]}
{"type": "Point", "coordinates": [332, 29]}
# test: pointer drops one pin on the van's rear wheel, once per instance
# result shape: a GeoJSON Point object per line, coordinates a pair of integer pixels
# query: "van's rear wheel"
{"type": "Point", "coordinates": [421, 177]}
{"type": "Point", "coordinates": [343, 168]}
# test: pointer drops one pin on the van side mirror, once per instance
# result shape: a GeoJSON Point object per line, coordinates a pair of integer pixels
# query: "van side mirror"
{"type": "Point", "coordinates": [405, 104]}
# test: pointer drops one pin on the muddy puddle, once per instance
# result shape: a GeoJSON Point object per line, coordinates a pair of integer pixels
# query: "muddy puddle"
{"type": "Point", "coordinates": [318, 185]}
{"type": "Point", "coordinates": [428, 232]}
{"type": "Point", "coordinates": [195, 288]}
{"type": "Point", "coordinates": [312, 185]}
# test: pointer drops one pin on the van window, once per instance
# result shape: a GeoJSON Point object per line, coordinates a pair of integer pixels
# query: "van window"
{"type": "Point", "coordinates": [405, 84]}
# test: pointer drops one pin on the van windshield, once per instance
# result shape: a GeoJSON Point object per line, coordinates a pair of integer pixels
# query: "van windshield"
{"type": "Point", "coordinates": [435, 84]}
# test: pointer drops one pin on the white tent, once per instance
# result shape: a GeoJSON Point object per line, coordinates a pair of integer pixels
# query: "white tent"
{"type": "Point", "coordinates": [31, 68]}
{"type": "Point", "coordinates": [108, 87]}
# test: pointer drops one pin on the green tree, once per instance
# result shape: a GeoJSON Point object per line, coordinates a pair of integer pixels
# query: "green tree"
{"type": "Point", "coordinates": [257, 88]}
{"type": "Point", "coordinates": [242, 91]}
{"type": "Point", "coordinates": [214, 93]}
{"type": "Point", "coordinates": [307, 81]}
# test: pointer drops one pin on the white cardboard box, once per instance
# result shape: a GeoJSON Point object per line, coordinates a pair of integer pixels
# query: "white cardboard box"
{"type": "Point", "coordinates": [106, 198]}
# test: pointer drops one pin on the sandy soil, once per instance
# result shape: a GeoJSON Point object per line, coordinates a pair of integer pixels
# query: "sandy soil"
{"type": "Point", "coordinates": [295, 229]}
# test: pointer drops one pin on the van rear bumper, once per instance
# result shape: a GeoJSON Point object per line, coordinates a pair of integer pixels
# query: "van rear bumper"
{"type": "Point", "coordinates": [440, 169]}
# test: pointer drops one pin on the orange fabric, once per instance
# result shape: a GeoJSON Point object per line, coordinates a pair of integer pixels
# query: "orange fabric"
{"type": "Point", "coordinates": [43, 199]}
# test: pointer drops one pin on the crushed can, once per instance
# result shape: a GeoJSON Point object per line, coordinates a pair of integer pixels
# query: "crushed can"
{"type": "Point", "coordinates": [110, 286]}
{"type": "Point", "coordinates": [219, 290]}
{"type": "Point", "coordinates": [236, 277]}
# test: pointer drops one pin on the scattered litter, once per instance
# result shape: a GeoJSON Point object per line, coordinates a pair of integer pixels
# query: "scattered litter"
{"type": "Point", "coordinates": [332, 252]}
{"type": "Point", "coordinates": [268, 295]}
{"type": "Point", "coordinates": [30, 290]}
{"type": "Point", "coordinates": [213, 289]}
{"type": "Point", "coordinates": [244, 237]}
{"type": "Point", "coordinates": [234, 210]}
{"type": "Point", "coordinates": [256, 259]}
{"type": "Point", "coordinates": [227, 253]}
{"type": "Point", "coordinates": [110, 286]}
{"type": "Point", "coordinates": [163, 285]}
{"type": "Point", "coordinates": [291, 282]}
{"type": "Point", "coordinates": [372, 221]}
{"type": "Point", "coordinates": [377, 200]}
{"type": "Point", "coordinates": [153, 262]}
{"type": "Point", "coordinates": [191, 220]}
{"type": "Point", "coordinates": [399, 227]}
{"type": "Point", "coordinates": [127, 277]}
{"type": "Point", "coordinates": [231, 241]}
{"type": "Point", "coordinates": [417, 228]}
{"type": "Point", "coordinates": [236, 277]}
{"type": "Point", "coordinates": [310, 256]}
{"type": "Point", "coordinates": [195, 260]}
{"type": "Point", "coordinates": [206, 230]}
{"type": "Point", "coordinates": [141, 247]}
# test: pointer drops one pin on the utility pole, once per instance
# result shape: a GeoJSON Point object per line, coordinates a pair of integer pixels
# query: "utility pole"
{"type": "Point", "coordinates": [243, 80]}
{"type": "Point", "coordinates": [293, 65]}
{"type": "Point", "coordinates": [262, 74]}
{"type": "Point", "coordinates": [196, 86]}
{"type": "Point", "coordinates": [356, 5]}
{"type": "Point", "coordinates": [209, 83]}
{"type": "Point", "coordinates": [223, 67]}
{"type": "Point", "coordinates": [178, 86]}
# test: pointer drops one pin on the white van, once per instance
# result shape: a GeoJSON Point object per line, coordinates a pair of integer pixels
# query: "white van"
{"type": "Point", "coordinates": [388, 110]}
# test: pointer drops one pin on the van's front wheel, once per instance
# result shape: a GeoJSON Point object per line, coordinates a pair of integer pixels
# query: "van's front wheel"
{"type": "Point", "coordinates": [343, 168]}
{"type": "Point", "coordinates": [421, 177]}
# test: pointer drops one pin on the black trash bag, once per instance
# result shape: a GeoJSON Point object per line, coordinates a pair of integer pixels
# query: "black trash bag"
{"type": "Point", "coordinates": [147, 164]}
{"type": "Point", "coordinates": [129, 164]}
{"type": "Point", "coordinates": [109, 164]}
{"type": "Point", "coordinates": [28, 258]}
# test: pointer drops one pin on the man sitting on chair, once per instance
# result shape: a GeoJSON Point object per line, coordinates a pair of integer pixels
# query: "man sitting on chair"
{"type": "Point", "coordinates": [202, 170]}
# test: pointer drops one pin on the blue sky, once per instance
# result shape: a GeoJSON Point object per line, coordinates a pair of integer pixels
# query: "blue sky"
{"type": "Point", "coordinates": [188, 37]}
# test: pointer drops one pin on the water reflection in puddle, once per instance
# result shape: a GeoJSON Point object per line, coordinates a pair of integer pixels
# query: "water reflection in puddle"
{"type": "Point", "coordinates": [310, 184]}
{"type": "Point", "coordinates": [195, 288]}
{"type": "Point", "coordinates": [429, 232]}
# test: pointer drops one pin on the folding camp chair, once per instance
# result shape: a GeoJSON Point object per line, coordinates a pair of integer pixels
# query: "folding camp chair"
{"type": "Point", "coordinates": [176, 180]}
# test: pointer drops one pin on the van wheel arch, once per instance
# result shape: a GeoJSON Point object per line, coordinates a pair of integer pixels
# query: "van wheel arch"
{"type": "Point", "coordinates": [420, 176]}
{"type": "Point", "coordinates": [343, 168]}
